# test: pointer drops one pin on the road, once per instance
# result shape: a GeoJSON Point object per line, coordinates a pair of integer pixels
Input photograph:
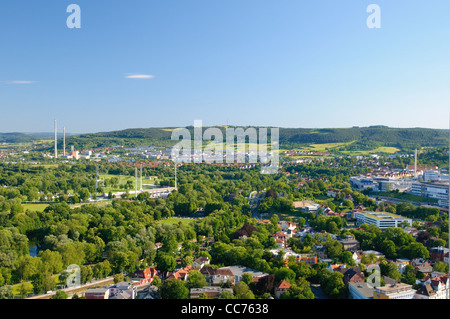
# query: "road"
{"type": "Point", "coordinates": [69, 291]}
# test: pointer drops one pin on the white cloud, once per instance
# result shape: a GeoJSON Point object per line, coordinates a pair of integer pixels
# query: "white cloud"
{"type": "Point", "coordinates": [139, 76]}
{"type": "Point", "coordinates": [21, 82]}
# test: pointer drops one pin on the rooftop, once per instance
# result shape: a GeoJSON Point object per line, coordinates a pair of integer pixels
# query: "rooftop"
{"type": "Point", "coordinates": [363, 288]}
{"type": "Point", "coordinates": [381, 215]}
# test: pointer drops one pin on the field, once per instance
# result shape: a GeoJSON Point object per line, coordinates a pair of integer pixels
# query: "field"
{"type": "Point", "coordinates": [34, 207]}
{"type": "Point", "coordinates": [341, 148]}
{"type": "Point", "coordinates": [381, 149]}
{"type": "Point", "coordinates": [328, 147]}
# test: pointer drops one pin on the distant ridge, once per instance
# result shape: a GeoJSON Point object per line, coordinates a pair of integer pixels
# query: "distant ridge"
{"type": "Point", "coordinates": [361, 137]}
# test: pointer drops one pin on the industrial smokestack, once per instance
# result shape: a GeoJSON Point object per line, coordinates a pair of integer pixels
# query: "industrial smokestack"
{"type": "Point", "coordinates": [415, 164]}
{"type": "Point", "coordinates": [64, 141]}
{"type": "Point", "coordinates": [56, 143]}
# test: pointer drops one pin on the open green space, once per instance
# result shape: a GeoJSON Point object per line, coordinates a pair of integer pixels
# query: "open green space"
{"type": "Point", "coordinates": [405, 196]}
{"type": "Point", "coordinates": [34, 207]}
{"type": "Point", "coordinates": [175, 221]}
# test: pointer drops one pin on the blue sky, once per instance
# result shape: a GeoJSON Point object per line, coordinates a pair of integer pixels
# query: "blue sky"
{"type": "Point", "coordinates": [286, 63]}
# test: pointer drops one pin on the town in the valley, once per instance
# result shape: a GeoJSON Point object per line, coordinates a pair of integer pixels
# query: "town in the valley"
{"type": "Point", "coordinates": [127, 222]}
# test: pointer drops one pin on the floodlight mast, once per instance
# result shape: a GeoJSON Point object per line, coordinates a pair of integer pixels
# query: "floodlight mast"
{"type": "Point", "coordinates": [175, 164]}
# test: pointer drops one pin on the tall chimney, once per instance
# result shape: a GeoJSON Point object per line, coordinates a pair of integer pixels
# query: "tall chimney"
{"type": "Point", "coordinates": [56, 143]}
{"type": "Point", "coordinates": [64, 141]}
{"type": "Point", "coordinates": [415, 164]}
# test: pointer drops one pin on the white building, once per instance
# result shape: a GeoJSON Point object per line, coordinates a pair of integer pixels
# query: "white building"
{"type": "Point", "coordinates": [382, 220]}
{"type": "Point", "coordinates": [360, 290]}
{"type": "Point", "coordinates": [436, 190]}
{"type": "Point", "coordinates": [362, 183]}
{"type": "Point", "coordinates": [434, 288]}
{"type": "Point", "coordinates": [396, 291]}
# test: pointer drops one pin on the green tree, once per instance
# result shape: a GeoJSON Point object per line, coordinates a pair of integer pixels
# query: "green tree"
{"type": "Point", "coordinates": [196, 280]}
{"type": "Point", "coordinates": [242, 291]}
{"type": "Point", "coordinates": [60, 294]}
{"type": "Point", "coordinates": [165, 262]}
{"type": "Point", "coordinates": [174, 289]}
{"type": "Point", "coordinates": [299, 290]}
{"type": "Point", "coordinates": [6, 292]}
{"type": "Point", "coordinates": [118, 278]}
{"type": "Point", "coordinates": [42, 282]}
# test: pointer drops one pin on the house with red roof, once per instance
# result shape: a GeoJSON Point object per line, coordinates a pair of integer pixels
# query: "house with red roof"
{"type": "Point", "coordinates": [145, 276]}
{"type": "Point", "coordinates": [282, 287]}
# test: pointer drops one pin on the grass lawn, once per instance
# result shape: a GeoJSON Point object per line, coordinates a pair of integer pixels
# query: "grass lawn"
{"type": "Point", "coordinates": [175, 220]}
{"type": "Point", "coordinates": [28, 286]}
{"type": "Point", "coordinates": [34, 207]}
{"type": "Point", "coordinates": [16, 289]}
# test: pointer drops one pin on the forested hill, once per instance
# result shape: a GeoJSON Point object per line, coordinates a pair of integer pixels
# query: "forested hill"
{"type": "Point", "coordinates": [18, 138]}
{"type": "Point", "coordinates": [402, 138]}
{"type": "Point", "coordinates": [21, 137]}
{"type": "Point", "coordinates": [360, 137]}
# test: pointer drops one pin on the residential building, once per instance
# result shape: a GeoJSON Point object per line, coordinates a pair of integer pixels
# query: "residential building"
{"type": "Point", "coordinates": [281, 287]}
{"type": "Point", "coordinates": [435, 288]}
{"type": "Point", "coordinates": [238, 271]}
{"type": "Point", "coordinates": [333, 192]}
{"type": "Point", "coordinates": [200, 262]}
{"type": "Point", "coordinates": [349, 243]}
{"type": "Point", "coordinates": [401, 265]}
{"type": "Point", "coordinates": [144, 276]}
{"type": "Point", "coordinates": [438, 253]}
{"type": "Point", "coordinates": [310, 259]}
{"type": "Point", "coordinates": [353, 274]}
{"type": "Point", "coordinates": [382, 220]}
{"type": "Point", "coordinates": [181, 274]}
{"type": "Point", "coordinates": [217, 277]}
{"type": "Point", "coordinates": [357, 257]}
{"type": "Point", "coordinates": [285, 225]}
